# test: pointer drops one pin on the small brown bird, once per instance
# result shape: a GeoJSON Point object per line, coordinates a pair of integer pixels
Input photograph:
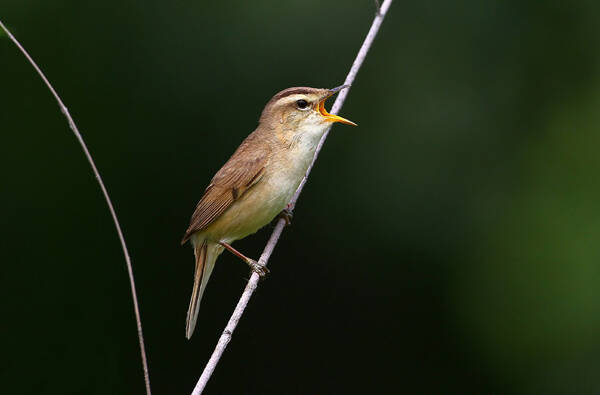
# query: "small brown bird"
{"type": "Point", "coordinates": [257, 182]}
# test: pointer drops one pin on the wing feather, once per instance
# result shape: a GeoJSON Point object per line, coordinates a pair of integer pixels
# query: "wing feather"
{"type": "Point", "coordinates": [241, 172]}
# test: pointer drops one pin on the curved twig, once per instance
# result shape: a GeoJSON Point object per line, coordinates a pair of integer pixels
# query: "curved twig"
{"type": "Point", "coordinates": [113, 214]}
{"type": "Point", "coordinates": [264, 258]}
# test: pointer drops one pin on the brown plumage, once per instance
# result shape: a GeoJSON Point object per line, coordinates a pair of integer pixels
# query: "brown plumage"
{"type": "Point", "coordinates": [240, 173]}
{"type": "Point", "coordinates": [257, 181]}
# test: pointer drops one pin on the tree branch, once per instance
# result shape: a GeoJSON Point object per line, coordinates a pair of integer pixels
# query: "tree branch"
{"type": "Point", "coordinates": [264, 258]}
{"type": "Point", "coordinates": [113, 214]}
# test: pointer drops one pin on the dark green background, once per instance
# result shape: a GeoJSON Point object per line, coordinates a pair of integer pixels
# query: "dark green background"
{"type": "Point", "coordinates": [449, 244]}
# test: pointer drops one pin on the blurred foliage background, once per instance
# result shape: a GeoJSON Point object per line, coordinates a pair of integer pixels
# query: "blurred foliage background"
{"type": "Point", "coordinates": [449, 244]}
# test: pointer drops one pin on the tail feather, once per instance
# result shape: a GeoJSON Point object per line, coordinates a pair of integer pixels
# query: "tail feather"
{"type": "Point", "coordinates": [206, 255]}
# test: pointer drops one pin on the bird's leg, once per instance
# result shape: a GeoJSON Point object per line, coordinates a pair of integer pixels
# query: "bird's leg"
{"type": "Point", "coordinates": [256, 267]}
{"type": "Point", "coordinates": [287, 215]}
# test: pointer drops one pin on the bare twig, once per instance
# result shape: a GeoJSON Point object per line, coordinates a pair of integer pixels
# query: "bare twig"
{"type": "Point", "coordinates": [264, 258]}
{"type": "Point", "coordinates": [75, 130]}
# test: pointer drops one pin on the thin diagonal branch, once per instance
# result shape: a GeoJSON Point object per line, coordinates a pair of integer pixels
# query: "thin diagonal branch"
{"type": "Point", "coordinates": [113, 214]}
{"type": "Point", "coordinates": [264, 258]}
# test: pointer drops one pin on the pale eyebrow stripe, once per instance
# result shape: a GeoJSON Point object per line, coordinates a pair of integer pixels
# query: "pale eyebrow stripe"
{"type": "Point", "coordinates": [293, 98]}
{"type": "Point", "coordinates": [294, 91]}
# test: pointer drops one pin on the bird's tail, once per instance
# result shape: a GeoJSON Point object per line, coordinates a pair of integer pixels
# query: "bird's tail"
{"type": "Point", "coordinates": [206, 254]}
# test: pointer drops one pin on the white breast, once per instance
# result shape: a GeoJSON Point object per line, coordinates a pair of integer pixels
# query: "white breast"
{"type": "Point", "coordinates": [262, 203]}
{"type": "Point", "coordinates": [289, 167]}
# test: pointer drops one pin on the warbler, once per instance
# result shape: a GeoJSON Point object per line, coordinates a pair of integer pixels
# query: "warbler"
{"type": "Point", "coordinates": [257, 182]}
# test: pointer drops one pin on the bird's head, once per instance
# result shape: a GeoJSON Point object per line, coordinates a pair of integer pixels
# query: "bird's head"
{"type": "Point", "coordinates": [301, 110]}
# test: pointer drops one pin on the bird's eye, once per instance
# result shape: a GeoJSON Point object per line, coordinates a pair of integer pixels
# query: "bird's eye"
{"type": "Point", "coordinates": [302, 104]}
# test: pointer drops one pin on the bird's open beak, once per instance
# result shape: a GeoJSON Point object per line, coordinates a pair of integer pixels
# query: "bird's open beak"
{"type": "Point", "coordinates": [330, 117]}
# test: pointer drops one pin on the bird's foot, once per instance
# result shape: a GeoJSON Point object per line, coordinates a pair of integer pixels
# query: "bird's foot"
{"type": "Point", "coordinates": [287, 215]}
{"type": "Point", "coordinates": [258, 268]}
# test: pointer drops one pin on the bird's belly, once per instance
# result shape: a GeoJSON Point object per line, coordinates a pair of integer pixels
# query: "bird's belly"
{"type": "Point", "coordinates": [265, 200]}
{"type": "Point", "coordinates": [256, 208]}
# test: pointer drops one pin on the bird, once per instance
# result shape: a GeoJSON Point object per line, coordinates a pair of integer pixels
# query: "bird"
{"type": "Point", "coordinates": [256, 184]}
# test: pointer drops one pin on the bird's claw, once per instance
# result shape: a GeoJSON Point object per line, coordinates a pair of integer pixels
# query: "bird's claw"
{"type": "Point", "coordinates": [287, 215]}
{"type": "Point", "coordinates": [258, 268]}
